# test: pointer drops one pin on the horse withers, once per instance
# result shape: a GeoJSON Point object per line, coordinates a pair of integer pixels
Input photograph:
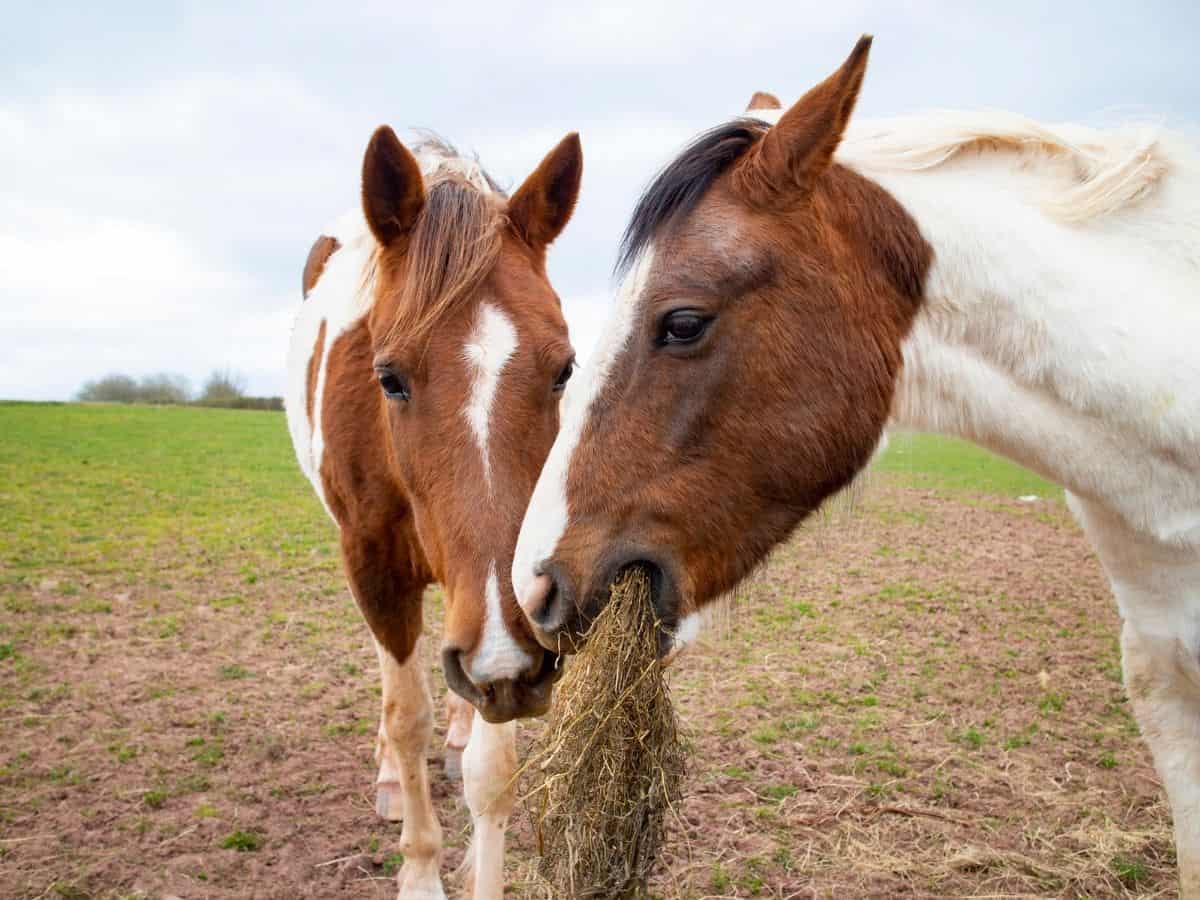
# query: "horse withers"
{"type": "Point", "coordinates": [791, 288]}
{"type": "Point", "coordinates": [425, 372]}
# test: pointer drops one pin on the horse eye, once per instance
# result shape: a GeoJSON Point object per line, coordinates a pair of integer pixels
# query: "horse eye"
{"type": "Point", "coordinates": [564, 376]}
{"type": "Point", "coordinates": [684, 326]}
{"type": "Point", "coordinates": [395, 387]}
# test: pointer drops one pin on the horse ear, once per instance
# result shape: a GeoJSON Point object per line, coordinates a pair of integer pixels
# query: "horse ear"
{"type": "Point", "coordinates": [801, 145]}
{"type": "Point", "coordinates": [763, 100]}
{"type": "Point", "coordinates": [392, 190]}
{"type": "Point", "coordinates": [542, 206]}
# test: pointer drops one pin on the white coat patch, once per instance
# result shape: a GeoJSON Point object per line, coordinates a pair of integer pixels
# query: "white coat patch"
{"type": "Point", "coordinates": [498, 656]}
{"type": "Point", "coordinates": [492, 344]}
{"type": "Point", "coordinates": [546, 517]}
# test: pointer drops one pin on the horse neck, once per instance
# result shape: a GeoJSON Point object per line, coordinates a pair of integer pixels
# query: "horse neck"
{"type": "Point", "coordinates": [1064, 348]}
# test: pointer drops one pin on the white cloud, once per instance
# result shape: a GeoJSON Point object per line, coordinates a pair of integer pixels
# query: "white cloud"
{"type": "Point", "coordinates": [162, 178]}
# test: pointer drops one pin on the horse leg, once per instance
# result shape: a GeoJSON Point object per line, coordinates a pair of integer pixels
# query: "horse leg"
{"type": "Point", "coordinates": [405, 732]}
{"type": "Point", "coordinates": [489, 783]}
{"type": "Point", "coordinates": [379, 568]}
{"type": "Point", "coordinates": [458, 730]}
{"type": "Point", "coordinates": [1163, 681]}
{"type": "Point", "coordinates": [1157, 586]}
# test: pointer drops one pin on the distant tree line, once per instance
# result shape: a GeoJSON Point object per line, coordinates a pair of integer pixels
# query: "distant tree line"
{"type": "Point", "coordinates": [223, 388]}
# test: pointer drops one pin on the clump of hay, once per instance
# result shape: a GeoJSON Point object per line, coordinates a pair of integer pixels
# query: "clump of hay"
{"type": "Point", "coordinates": [609, 763]}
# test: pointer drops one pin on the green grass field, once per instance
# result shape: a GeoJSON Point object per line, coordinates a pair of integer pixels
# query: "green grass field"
{"type": "Point", "coordinates": [946, 464]}
{"type": "Point", "coordinates": [91, 488]}
{"type": "Point", "coordinates": [921, 698]}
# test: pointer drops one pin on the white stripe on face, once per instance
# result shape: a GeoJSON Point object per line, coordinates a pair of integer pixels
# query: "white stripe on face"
{"type": "Point", "coordinates": [498, 656]}
{"type": "Point", "coordinates": [491, 345]}
{"type": "Point", "coordinates": [546, 518]}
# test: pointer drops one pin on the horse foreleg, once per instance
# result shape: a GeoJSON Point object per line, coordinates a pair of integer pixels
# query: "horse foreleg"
{"type": "Point", "coordinates": [1157, 586]}
{"type": "Point", "coordinates": [489, 783]}
{"type": "Point", "coordinates": [1163, 681]}
{"type": "Point", "coordinates": [403, 783]}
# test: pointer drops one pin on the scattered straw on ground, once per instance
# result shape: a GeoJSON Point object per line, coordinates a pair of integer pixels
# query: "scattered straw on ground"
{"type": "Point", "coordinates": [608, 767]}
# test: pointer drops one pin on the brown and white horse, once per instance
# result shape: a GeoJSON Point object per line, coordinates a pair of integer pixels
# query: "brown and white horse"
{"type": "Point", "coordinates": [425, 372]}
{"type": "Point", "coordinates": [787, 293]}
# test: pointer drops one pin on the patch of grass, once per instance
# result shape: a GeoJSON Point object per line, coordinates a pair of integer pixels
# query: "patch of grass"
{"type": "Point", "coordinates": [878, 791]}
{"type": "Point", "coordinates": [971, 737]}
{"type": "Point", "coordinates": [1107, 761]}
{"type": "Point", "coordinates": [123, 752]}
{"type": "Point", "coordinates": [779, 792]}
{"type": "Point", "coordinates": [721, 880]}
{"type": "Point", "coordinates": [154, 799]}
{"type": "Point", "coordinates": [234, 672]}
{"type": "Point", "coordinates": [953, 466]}
{"type": "Point", "coordinates": [1129, 871]}
{"type": "Point", "coordinates": [69, 891]}
{"type": "Point", "coordinates": [243, 841]}
{"type": "Point", "coordinates": [207, 753]}
{"type": "Point", "coordinates": [768, 734]}
{"type": "Point", "coordinates": [392, 864]}
{"type": "Point", "coordinates": [1052, 702]}
{"type": "Point", "coordinates": [192, 784]}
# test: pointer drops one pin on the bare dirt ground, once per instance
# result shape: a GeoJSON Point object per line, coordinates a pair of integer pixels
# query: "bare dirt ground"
{"type": "Point", "coordinates": [921, 700]}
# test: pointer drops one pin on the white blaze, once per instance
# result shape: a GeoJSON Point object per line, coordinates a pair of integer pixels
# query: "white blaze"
{"type": "Point", "coordinates": [491, 345]}
{"type": "Point", "coordinates": [546, 518]}
{"type": "Point", "coordinates": [498, 656]}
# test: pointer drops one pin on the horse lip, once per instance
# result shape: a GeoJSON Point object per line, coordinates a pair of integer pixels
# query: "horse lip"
{"type": "Point", "coordinates": [521, 698]}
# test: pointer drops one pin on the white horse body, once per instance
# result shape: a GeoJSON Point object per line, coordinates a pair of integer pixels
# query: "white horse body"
{"type": "Point", "coordinates": [1061, 329]}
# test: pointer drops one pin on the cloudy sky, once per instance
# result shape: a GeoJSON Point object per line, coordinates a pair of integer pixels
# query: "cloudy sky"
{"type": "Point", "coordinates": [165, 167]}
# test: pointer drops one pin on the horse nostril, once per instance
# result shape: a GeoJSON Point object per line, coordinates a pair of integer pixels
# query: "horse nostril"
{"type": "Point", "coordinates": [549, 615]}
{"type": "Point", "coordinates": [456, 677]}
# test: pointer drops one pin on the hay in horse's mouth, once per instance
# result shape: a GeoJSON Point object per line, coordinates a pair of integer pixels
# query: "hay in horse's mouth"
{"type": "Point", "coordinates": [609, 764]}
{"type": "Point", "coordinates": [613, 580]}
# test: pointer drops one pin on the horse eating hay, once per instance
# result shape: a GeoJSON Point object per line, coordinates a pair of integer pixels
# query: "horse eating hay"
{"type": "Point", "coordinates": [791, 288]}
{"type": "Point", "coordinates": [609, 762]}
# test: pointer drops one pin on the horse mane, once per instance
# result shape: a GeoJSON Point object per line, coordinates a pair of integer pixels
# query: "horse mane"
{"type": "Point", "coordinates": [453, 244]}
{"type": "Point", "coordinates": [682, 183]}
{"type": "Point", "coordinates": [1108, 170]}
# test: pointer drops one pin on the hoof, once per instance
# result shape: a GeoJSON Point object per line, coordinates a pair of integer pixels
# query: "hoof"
{"type": "Point", "coordinates": [389, 801]}
{"type": "Point", "coordinates": [421, 885]}
{"type": "Point", "coordinates": [452, 764]}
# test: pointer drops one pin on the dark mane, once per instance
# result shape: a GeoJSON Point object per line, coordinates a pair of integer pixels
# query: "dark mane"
{"type": "Point", "coordinates": [677, 189]}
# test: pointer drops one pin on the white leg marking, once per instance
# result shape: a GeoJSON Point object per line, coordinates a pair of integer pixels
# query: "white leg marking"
{"type": "Point", "coordinates": [491, 345]}
{"type": "Point", "coordinates": [459, 714]}
{"type": "Point", "coordinates": [546, 517]}
{"type": "Point", "coordinates": [498, 656]}
{"type": "Point", "coordinates": [489, 769]}
{"type": "Point", "coordinates": [1157, 586]}
{"type": "Point", "coordinates": [404, 734]}
{"type": "Point", "coordinates": [1163, 681]}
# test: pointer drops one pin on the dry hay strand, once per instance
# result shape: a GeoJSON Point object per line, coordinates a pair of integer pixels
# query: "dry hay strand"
{"type": "Point", "coordinates": [609, 764]}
